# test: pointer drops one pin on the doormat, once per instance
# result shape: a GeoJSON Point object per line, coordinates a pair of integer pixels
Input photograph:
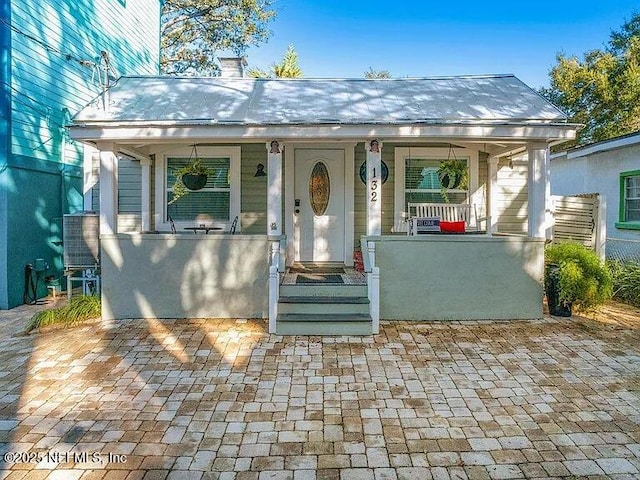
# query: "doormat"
{"type": "Point", "coordinates": [316, 270]}
{"type": "Point", "coordinates": [315, 278]}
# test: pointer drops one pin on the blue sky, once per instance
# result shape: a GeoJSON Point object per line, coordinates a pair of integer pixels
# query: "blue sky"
{"type": "Point", "coordinates": [425, 38]}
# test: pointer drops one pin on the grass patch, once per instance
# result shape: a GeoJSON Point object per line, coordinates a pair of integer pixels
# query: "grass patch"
{"type": "Point", "coordinates": [626, 281]}
{"type": "Point", "coordinates": [78, 310]}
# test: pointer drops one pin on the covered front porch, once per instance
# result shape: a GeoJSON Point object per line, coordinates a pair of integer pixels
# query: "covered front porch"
{"type": "Point", "coordinates": [319, 192]}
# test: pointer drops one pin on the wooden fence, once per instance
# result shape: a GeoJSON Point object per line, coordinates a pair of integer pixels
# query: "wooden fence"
{"type": "Point", "coordinates": [580, 218]}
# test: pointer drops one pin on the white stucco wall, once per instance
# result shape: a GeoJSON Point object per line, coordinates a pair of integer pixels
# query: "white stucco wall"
{"type": "Point", "coordinates": [460, 277]}
{"type": "Point", "coordinates": [184, 276]}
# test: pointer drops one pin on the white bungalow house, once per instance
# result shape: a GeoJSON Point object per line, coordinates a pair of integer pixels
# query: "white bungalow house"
{"type": "Point", "coordinates": [316, 169]}
{"type": "Point", "coordinates": [611, 169]}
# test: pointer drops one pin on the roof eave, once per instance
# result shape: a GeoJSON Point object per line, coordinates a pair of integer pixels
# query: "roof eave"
{"type": "Point", "coordinates": [176, 132]}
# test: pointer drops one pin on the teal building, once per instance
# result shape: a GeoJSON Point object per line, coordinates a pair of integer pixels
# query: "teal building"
{"type": "Point", "coordinates": [56, 57]}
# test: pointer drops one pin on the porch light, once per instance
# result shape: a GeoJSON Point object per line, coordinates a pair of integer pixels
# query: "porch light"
{"type": "Point", "coordinates": [260, 171]}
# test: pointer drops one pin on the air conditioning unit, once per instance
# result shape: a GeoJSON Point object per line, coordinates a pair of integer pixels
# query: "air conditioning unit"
{"type": "Point", "coordinates": [81, 240]}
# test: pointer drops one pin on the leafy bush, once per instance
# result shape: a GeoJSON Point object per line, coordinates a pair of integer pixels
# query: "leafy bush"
{"type": "Point", "coordinates": [584, 281]}
{"type": "Point", "coordinates": [626, 281]}
{"type": "Point", "coordinates": [79, 309]}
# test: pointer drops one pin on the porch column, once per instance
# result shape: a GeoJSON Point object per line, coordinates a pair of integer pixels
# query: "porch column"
{"type": "Point", "coordinates": [538, 188]}
{"type": "Point", "coordinates": [108, 188]}
{"type": "Point", "coordinates": [373, 150]}
{"type": "Point", "coordinates": [274, 188]}
{"type": "Point", "coordinates": [89, 178]}
{"type": "Point", "coordinates": [492, 195]}
{"type": "Point", "coordinates": [145, 195]}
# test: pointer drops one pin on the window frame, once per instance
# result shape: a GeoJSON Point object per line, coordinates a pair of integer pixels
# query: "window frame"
{"type": "Point", "coordinates": [402, 154]}
{"type": "Point", "coordinates": [161, 187]}
{"type": "Point", "coordinates": [622, 222]}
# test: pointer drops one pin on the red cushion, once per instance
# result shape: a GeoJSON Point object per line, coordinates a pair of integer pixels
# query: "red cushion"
{"type": "Point", "coordinates": [452, 227]}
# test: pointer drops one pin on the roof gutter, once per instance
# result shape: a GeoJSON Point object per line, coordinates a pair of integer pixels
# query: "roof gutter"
{"type": "Point", "coordinates": [160, 133]}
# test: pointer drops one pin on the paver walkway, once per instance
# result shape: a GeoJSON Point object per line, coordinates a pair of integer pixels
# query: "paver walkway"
{"type": "Point", "coordinates": [222, 399]}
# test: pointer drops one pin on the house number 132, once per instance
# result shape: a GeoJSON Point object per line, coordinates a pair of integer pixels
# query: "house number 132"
{"type": "Point", "coordinates": [374, 186]}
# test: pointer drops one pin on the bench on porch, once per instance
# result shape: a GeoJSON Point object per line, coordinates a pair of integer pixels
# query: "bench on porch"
{"type": "Point", "coordinates": [449, 212]}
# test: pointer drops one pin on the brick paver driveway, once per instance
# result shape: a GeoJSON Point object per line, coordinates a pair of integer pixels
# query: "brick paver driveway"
{"type": "Point", "coordinates": [222, 399]}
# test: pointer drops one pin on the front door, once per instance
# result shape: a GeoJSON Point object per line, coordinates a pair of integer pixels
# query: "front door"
{"type": "Point", "coordinates": [319, 216]}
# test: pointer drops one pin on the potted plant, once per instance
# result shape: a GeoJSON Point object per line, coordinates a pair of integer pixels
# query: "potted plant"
{"type": "Point", "coordinates": [193, 176]}
{"type": "Point", "coordinates": [452, 173]}
{"type": "Point", "coordinates": [575, 277]}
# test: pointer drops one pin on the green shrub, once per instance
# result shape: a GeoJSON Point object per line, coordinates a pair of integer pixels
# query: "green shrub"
{"type": "Point", "coordinates": [626, 281]}
{"type": "Point", "coordinates": [584, 281]}
{"type": "Point", "coordinates": [79, 309]}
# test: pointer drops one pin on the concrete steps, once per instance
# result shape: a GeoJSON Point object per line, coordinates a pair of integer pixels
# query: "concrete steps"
{"type": "Point", "coordinates": [327, 309]}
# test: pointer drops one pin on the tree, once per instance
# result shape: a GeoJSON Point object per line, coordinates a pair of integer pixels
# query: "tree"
{"type": "Point", "coordinates": [193, 31]}
{"type": "Point", "coordinates": [287, 68]}
{"type": "Point", "coordinates": [371, 73]}
{"type": "Point", "coordinates": [602, 90]}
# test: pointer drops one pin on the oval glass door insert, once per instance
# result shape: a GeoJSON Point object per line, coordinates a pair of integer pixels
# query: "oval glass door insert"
{"type": "Point", "coordinates": [319, 188]}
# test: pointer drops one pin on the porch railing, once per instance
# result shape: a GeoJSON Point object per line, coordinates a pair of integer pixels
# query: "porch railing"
{"type": "Point", "coordinates": [368, 249]}
{"type": "Point", "coordinates": [276, 267]}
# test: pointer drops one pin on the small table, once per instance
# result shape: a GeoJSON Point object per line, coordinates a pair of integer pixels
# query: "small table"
{"type": "Point", "coordinates": [204, 229]}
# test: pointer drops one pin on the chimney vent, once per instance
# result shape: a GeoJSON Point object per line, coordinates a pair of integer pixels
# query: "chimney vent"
{"type": "Point", "coordinates": [232, 67]}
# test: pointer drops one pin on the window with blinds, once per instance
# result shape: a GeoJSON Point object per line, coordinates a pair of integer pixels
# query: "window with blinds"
{"type": "Point", "coordinates": [632, 198]}
{"type": "Point", "coordinates": [213, 202]}
{"type": "Point", "coordinates": [422, 184]}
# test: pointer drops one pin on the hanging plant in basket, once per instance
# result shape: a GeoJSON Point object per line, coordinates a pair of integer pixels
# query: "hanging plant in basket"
{"type": "Point", "coordinates": [452, 173]}
{"type": "Point", "coordinates": [191, 177]}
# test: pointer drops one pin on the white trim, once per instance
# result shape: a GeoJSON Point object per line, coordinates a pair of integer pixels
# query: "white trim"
{"type": "Point", "coordinates": [145, 194]}
{"type": "Point", "coordinates": [108, 189]}
{"type": "Point", "coordinates": [158, 133]}
{"type": "Point", "coordinates": [89, 180]}
{"type": "Point", "coordinates": [274, 190]}
{"type": "Point", "coordinates": [234, 155]}
{"type": "Point", "coordinates": [401, 154]}
{"type": "Point", "coordinates": [349, 202]}
{"type": "Point", "coordinates": [604, 146]}
{"type": "Point", "coordinates": [288, 155]}
{"type": "Point", "coordinates": [537, 188]}
{"type": "Point", "coordinates": [349, 195]}
{"type": "Point", "coordinates": [492, 194]}
{"type": "Point", "coordinates": [374, 188]}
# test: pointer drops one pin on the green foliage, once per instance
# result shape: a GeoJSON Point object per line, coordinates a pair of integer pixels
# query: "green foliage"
{"type": "Point", "coordinates": [287, 68]}
{"type": "Point", "coordinates": [194, 167]}
{"type": "Point", "coordinates": [374, 74]}
{"type": "Point", "coordinates": [453, 171]}
{"type": "Point", "coordinates": [79, 309]}
{"type": "Point", "coordinates": [626, 281]}
{"type": "Point", "coordinates": [192, 31]}
{"type": "Point", "coordinates": [584, 281]}
{"type": "Point", "coordinates": [601, 91]}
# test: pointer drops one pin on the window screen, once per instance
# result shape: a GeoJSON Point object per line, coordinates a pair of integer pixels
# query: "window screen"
{"type": "Point", "coordinates": [210, 203]}
{"type": "Point", "coordinates": [422, 184]}
{"type": "Point", "coordinates": [632, 199]}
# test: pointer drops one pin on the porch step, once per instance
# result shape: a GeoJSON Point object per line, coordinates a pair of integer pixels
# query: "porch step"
{"type": "Point", "coordinates": [323, 324]}
{"type": "Point", "coordinates": [324, 305]}
{"type": "Point", "coordinates": [320, 290]}
{"type": "Point", "coordinates": [323, 299]}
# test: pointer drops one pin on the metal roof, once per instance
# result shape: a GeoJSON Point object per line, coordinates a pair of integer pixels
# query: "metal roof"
{"type": "Point", "coordinates": [249, 101]}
